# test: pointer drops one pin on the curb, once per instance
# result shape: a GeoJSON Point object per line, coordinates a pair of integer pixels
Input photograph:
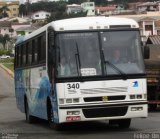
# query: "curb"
{"type": "Point", "coordinates": [7, 70]}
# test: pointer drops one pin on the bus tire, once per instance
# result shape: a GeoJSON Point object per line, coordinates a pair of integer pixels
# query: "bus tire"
{"type": "Point", "coordinates": [51, 122]}
{"type": "Point", "coordinates": [29, 118]}
{"type": "Point", "coordinates": [124, 123]}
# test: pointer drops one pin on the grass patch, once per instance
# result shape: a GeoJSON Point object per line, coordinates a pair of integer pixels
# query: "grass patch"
{"type": "Point", "coordinates": [7, 60]}
{"type": "Point", "coordinates": [9, 66]}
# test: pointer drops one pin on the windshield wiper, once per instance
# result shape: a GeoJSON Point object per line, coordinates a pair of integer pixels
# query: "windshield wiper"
{"type": "Point", "coordinates": [117, 69]}
{"type": "Point", "coordinates": [78, 64]}
{"type": "Point", "coordinates": [106, 62]}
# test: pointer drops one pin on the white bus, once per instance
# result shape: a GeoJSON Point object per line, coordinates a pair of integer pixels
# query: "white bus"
{"type": "Point", "coordinates": [66, 72]}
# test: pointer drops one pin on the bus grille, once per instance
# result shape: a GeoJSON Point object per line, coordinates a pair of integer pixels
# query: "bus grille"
{"type": "Point", "coordinates": [105, 112]}
{"type": "Point", "coordinates": [109, 98]}
{"type": "Point", "coordinates": [104, 90]}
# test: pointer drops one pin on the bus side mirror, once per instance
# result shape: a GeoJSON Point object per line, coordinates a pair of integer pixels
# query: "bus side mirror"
{"type": "Point", "coordinates": [146, 52]}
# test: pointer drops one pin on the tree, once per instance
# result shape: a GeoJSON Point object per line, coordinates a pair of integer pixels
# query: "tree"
{"type": "Point", "coordinates": [100, 2]}
{"type": "Point", "coordinates": [1, 38]}
{"type": "Point", "coordinates": [4, 39]}
{"type": "Point", "coordinates": [22, 10]}
{"type": "Point", "coordinates": [3, 11]}
{"type": "Point", "coordinates": [63, 15]}
{"type": "Point", "coordinates": [46, 6]}
{"type": "Point", "coordinates": [76, 1]}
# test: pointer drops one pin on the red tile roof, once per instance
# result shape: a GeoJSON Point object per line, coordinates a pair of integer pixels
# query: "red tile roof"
{"type": "Point", "coordinates": [5, 24]}
{"type": "Point", "coordinates": [107, 8]}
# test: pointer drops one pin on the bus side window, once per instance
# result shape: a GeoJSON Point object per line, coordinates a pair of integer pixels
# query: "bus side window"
{"type": "Point", "coordinates": [19, 56]}
{"type": "Point", "coordinates": [36, 51]}
{"type": "Point", "coordinates": [26, 53]}
{"type": "Point", "coordinates": [51, 56]}
{"type": "Point", "coordinates": [29, 53]}
{"type": "Point", "coordinates": [39, 48]}
{"type": "Point", "coordinates": [16, 57]}
{"type": "Point", "coordinates": [43, 48]}
{"type": "Point", "coordinates": [41, 44]}
{"type": "Point", "coordinates": [51, 50]}
{"type": "Point", "coordinates": [33, 51]}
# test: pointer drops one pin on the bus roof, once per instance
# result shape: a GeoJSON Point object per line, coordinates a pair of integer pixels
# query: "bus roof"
{"type": "Point", "coordinates": [84, 23]}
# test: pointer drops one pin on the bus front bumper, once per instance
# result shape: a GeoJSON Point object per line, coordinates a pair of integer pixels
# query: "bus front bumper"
{"type": "Point", "coordinates": [75, 113]}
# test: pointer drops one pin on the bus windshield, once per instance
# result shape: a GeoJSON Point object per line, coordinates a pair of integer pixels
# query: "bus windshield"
{"type": "Point", "coordinates": [79, 54]}
{"type": "Point", "coordinates": [121, 49]}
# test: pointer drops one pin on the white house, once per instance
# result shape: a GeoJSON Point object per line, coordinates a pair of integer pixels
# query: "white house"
{"type": "Point", "coordinates": [89, 7]}
{"type": "Point", "coordinates": [41, 15]}
{"type": "Point", "coordinates": [73, 8]}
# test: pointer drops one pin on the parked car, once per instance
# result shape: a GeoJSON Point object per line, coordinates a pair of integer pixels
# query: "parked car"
{"type": "Point", "coordinates": [5, 56]}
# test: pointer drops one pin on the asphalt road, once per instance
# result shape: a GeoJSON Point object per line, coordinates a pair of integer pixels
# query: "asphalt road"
{"type": "Point", "coordinates": [13, 125]}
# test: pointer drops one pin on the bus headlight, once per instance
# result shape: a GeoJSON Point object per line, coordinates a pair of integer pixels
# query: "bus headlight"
{"type": "Point", "coordinates": [145, 96]}
{"type": "Point", "coordinates": [75, 100]}
{"type": "Point", "coordinates": [61, 101]}
{"type": "Point", "coordinates": [68, 100]}
{"type": "Point", "coordinates": [139, 96]}
{"type": "Point", "coordinates": [135, 96]}
{"type": "Point", "coordinates": [132, 96]}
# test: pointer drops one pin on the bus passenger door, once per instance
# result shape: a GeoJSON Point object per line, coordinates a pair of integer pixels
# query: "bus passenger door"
{"type": "Point", "coordinates": [51, 57]}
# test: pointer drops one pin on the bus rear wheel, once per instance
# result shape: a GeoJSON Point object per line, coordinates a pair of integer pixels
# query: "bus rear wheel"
{"type": "Point", "coordinates": [51, 122]}
{"type": "Point", "coordinates": [30, 119]}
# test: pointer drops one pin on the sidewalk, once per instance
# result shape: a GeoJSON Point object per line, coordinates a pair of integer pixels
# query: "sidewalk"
{"type": "Point", "coordinates": [7, 70]}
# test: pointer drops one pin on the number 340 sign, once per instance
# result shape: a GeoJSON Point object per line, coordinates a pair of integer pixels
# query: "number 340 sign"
{"type": "Point", "coordinates": [73, 86]}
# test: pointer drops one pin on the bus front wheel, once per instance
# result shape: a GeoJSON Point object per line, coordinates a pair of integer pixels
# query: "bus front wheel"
{"type": "Point", "coordinates": [51, 122]}
{"type": "Point", "coordinates": [124, 123]}
{"type": "Point", "coordinates": [29, 118]}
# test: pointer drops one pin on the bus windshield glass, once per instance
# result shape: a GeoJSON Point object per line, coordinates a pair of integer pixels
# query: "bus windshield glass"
{"type": "Point", "coordinates": [79, 54]}
{"type": "Point", "coordinates": [121, 49]}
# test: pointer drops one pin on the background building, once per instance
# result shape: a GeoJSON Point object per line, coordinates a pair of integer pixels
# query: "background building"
{"type": "Point", "coordinates": [73, 8]}
{"type": "Point", "coordinates": [89, 7]}
{"type": "Point", "coordinates": [41, 15]}
{"type": "Point", "coordinates": [12, 6]}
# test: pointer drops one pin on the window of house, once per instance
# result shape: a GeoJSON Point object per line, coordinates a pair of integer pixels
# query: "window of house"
{"type": "Point", "coordinates": [47, 15]}
{"type": "Point", "coordinates": [36, 15]}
